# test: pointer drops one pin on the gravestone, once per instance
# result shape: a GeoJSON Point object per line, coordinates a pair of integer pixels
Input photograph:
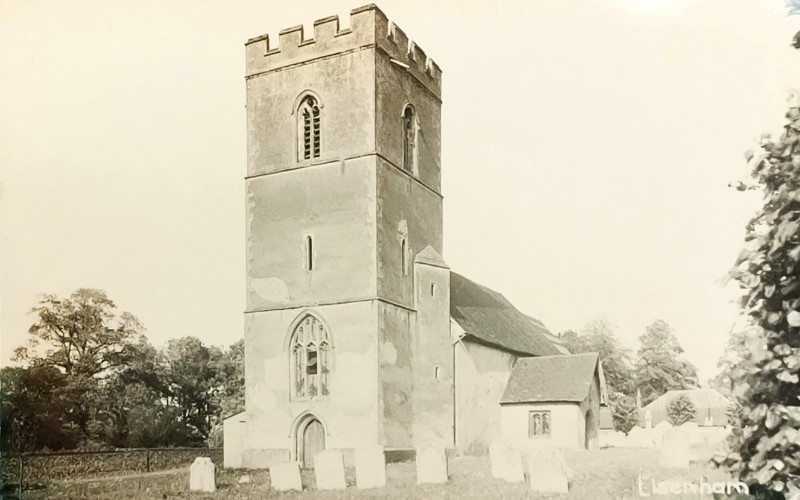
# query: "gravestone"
{"type": "Point", "coordinates": [202, 475]}
{"type": "Point", "coordinates": [329, 470]}
{"type": "Point", "coordinates": [675, 449]}
{"type": "Point", "coordinates": [285, 476]}
{"type": "Point", "coordinates": [648, 419]}
{"type": "Point", "coordinates": [639, 437]}
{"type": "Point", "coordinates": [506, 461]}
{"type": "Point", "coordinates": [547, 469]}
{"type": "Point", "coordinates": [659, 430]}
{"type": "Point", "coordinates": [370, 467]}
{"type": "Point", "coordinates": [613, 439]}
{"type": "Point", "coordinates": [431, 464]}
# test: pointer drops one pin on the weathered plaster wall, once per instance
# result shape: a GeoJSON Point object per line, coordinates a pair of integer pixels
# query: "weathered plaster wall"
{"type": "Point", "coordinates": [396, 380]}
{"type": "Point", "coordinates": [234, 429]}
{"type": "Point", "coordinates": [592, 403]}
{"type": "Point", "coordinates": [349, 415]}
{"type": "Point", "coordinates": [335, 205]}
{"type": "Point", "coordinates": [433, 357]}
{"type": "Point", "coordinates": [566, 425]}
{"type": "Point", "coordinates": [395, 90]}
{"type": "Point", "coordinates": [345, 87]}
{"type": "Point", "coordinates": [405, 209]}
{"type": "Point", "coordinates": [481, 377]}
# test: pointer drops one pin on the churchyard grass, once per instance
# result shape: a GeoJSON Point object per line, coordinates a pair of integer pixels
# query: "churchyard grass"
{"type": "Point", "coordinates": [596, 474]}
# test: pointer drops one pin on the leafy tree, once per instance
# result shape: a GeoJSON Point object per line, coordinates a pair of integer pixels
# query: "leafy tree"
{"type": "Point", "coordinates": [767, 376]}
{"type": "Point", "coordinates": [599, 336]}
{"type": "Point", "coordinates": [191, 384]}
{"type": "Point", "coordinates": [659, 367]}
{"type": "Point", "coordinates": [229, 393]}
{"type": "Point", "coordinates": [681, 410]}
{"type": "Point", "coordinates": [34, 414]}
{"type": "Point", "coordinates": [81, 335]}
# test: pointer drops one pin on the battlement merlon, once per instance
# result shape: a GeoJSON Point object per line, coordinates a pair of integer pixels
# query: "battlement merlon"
{"type": "Point", "coordinates": [369, 27]}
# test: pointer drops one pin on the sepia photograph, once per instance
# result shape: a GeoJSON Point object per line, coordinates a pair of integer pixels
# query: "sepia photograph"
{"type": "Point", "coordinates": [472, 250]}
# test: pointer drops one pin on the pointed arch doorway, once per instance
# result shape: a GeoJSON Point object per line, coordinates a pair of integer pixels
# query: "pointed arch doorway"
{"type": "Point", "coordinates": [309, 440]}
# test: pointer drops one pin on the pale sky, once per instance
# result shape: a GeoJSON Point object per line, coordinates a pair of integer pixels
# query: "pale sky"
{"type": "Point", "coordinates": [587, 150]}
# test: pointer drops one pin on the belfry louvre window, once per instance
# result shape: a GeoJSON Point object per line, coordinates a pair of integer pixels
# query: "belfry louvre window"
{"type": "Point", "coordinates": [308, 129]}
{"type": "Point", "coordinates": [311, 354]}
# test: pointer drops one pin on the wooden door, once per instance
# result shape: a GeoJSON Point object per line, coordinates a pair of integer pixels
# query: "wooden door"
{"type": "Point", "coordinates": [312, 443]}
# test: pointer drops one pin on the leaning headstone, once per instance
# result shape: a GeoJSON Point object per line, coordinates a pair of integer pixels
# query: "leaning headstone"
{"type": "Point", "coordinates": [329, 470]}
{"type": "Point", "coordinates": [202, 475]}
{"type": "Point", "coordinates": [431, 464]}
{"type": "Point", "coordinates": [506, 461]}
{"type": "Point", "coordinates": [285, 476]}
{"type": "Point", "coordinates": [547, 471]}
{"type": "Point", "coordinates": [370, 467]}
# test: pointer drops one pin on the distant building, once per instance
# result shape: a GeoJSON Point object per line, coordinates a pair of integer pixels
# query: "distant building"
{"type": "Point", "coordinates": [356, 331]}
{"type": "Point", "coordinates": [712, 407]}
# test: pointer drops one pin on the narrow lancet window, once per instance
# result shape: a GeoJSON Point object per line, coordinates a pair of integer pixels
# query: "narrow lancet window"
{"type": "Point", "coordinates": [409, 140]}
{"type": "Point", "coordinates": [309, 254]}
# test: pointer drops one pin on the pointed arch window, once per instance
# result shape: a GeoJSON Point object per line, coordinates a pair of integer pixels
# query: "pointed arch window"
{"type": "Point", "coordinates": [308, 128]}
{"type": "Point", "coordinates": [311, 358]}
{"type": "Point", "coordinates": [410, 133]}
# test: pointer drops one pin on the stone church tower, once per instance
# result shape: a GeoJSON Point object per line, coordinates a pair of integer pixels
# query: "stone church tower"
{"type": "Point", "coordinates": [347, 327]}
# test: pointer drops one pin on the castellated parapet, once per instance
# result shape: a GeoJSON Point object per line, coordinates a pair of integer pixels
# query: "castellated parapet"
{"type": "Point", "coordinates": [369, 27]}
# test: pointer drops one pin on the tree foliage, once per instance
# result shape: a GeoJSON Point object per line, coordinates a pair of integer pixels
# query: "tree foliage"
{"type": "Point", "coordinates": [681, 410]}
{"type": "Point", "coordinates": [599, 336]}
{"type": "Point", "coordinates": [766, 370]}
{"type": "Point", "coordinates": [92, 380]}
{"type": "Point", "coordinates": [660, 367]}
{"type": "Point", "coordinates": [81, 335]}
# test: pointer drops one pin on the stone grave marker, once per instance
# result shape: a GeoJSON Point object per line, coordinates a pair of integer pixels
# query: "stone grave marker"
{"type": "Point", "coordinates": [370, 467]}
{"type": "Point", "coordinates": [285, 476]}
{"type": "Point", "coordinates": [506, 461]}
{"type": "Point", "coordinates": [329, 470]}
{"type": "Point", "coordinates": [547, 470]}
{"type": "Point", "coordinates": [431, 464]}
{"type": "Point", "coordinates": [675, 449]}
{"type": "Point", "coordinates": [202, 475]}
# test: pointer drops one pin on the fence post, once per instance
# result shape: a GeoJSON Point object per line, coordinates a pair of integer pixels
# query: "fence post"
{"type": "Point", "coordinates": [21, 473]}
{"type": "Point", "coordinates": [147, 458]}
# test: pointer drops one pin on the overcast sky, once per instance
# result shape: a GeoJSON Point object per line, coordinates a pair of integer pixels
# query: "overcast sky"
{"type": "Point", "coordinates": [587, 150]}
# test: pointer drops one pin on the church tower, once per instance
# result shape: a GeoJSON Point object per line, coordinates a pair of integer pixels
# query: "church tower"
{"type": "Point", "coordinates": [347, 338]}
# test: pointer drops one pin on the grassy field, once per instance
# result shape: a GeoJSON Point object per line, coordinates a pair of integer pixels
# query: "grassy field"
{"type": "Point", "coordinates": [597, 474]}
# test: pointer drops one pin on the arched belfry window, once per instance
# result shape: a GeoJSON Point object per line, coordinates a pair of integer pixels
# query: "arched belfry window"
{"type": "Point", "coordinates": [308, 128]}
{"type": "Point", "coordinates": [410, 132]}
{"type": "Point", "coordinates": [311, 359]}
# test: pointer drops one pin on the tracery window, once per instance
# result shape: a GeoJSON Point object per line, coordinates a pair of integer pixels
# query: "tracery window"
{"type": "Point", "coordinates": [308, 128]}
{"type": "Point", "coordinates": [311, 355]}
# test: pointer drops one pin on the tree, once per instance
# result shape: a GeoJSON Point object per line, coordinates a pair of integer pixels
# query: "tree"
{"type": "Point", "coordinates": [35, 415]}
{"type": "Point", "coordinates": [191, 384]}
{"type": "Point", "coordinates": [599, 336]}
{"type": "Point", "coordinates": [681, 410]}
{"type": "Point", "coordinates": [81, 335]}
{"type": "Point", "coordinates": [659, 367]}
{"type": "Point", "coordinates": [767, 450]}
